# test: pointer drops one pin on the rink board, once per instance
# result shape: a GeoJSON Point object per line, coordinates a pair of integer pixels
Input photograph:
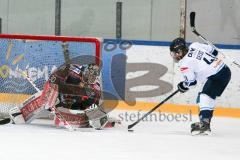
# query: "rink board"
{"type": "Point", "coordinates": [7, 99]}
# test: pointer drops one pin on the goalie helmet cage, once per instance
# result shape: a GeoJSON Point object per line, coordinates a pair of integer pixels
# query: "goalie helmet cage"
{"type": "Point", "coordinates": [38, 56]}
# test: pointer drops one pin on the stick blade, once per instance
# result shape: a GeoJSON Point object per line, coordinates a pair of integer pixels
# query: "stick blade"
{"type": "Point", "coordinates": [192, 19]}
{"type": "Point", "coordinates": [5, 121]}
{"type": "Point", "coordinates": [132, 125]}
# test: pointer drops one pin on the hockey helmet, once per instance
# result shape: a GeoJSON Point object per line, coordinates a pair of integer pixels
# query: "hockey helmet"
{"type": "Point", "coordinates": [178, 49]}
{"type": "Point", "coordinates": [91, 73]}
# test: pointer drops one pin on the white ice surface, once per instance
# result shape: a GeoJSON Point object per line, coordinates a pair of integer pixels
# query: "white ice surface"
{"type": "Point", "coordinates": [150, 141]}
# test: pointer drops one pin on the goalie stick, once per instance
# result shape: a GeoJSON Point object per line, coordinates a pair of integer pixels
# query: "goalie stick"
{"type": "Point", "coordinates": [192, 24]}
{"type": "Point", "coordinates": [153, 109]}
{"type": "Point", "coordinates": [5, 121]}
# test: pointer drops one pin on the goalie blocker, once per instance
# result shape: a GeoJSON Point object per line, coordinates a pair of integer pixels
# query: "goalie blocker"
{"type": "Point", "coordinates": [74, 92]}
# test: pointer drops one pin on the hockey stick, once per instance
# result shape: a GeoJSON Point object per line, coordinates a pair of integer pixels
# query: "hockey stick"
{"type": "Point", "coordinates": [192, 24]}
{"type": "Point", "coordinates": [5, 121]}
{"type": "Point", "coordinates": [153, 109]}
{"type": "Point", "coordinates": [25, 75]}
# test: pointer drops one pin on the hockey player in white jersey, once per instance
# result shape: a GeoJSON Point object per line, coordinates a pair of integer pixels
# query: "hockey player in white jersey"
{"type": "Point", "coordinates": [199, 63]}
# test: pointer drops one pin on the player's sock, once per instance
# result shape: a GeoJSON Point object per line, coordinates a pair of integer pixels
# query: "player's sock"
{"type": "Point", "coordinates": [206, 114]}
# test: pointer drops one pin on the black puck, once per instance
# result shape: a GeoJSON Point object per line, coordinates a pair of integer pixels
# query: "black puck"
{"type": "Point", "coordinates": [130, 130]}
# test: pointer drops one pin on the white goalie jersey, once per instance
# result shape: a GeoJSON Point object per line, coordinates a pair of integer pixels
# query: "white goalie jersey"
{"type": "Point", "coordinates": [199, 63]}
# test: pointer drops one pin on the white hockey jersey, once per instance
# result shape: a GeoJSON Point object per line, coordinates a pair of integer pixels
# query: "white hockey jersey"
{"type": "Point", "coordinates": [199, 63]}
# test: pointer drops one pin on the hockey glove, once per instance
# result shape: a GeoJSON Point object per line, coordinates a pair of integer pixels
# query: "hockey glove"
{"type": "Point", "coordinates": [182, 88]}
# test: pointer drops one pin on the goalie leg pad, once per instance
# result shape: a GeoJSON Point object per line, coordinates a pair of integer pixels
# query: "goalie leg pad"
{"type": "Point", "coordinates": [76, 118]}
{"type": "Point", "coordinates": [32, 109]}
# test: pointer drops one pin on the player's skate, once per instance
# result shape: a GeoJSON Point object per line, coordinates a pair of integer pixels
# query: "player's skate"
{"type": "Point", "coordinates": [201, 128]}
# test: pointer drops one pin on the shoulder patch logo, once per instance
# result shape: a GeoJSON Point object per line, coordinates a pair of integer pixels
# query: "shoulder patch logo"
{"type": "Point", "coordinates": [184, 69]}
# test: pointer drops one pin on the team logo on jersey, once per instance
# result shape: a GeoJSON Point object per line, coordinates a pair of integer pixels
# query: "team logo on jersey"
{"type": "Point", "coordinates": [184, 69]}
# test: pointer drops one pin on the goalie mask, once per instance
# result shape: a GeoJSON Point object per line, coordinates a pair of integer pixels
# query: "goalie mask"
{"type": "Point", "coordinates": [90, 74]}
{"type": "Point", "coordinates": [178, 49]}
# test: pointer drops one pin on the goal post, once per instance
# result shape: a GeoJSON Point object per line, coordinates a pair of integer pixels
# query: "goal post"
{"type": "Point", "coordinates": [38, 56]}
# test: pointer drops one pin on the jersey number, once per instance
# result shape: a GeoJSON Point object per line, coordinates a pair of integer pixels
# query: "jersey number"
{"type": "Point", "coordinates": [199, 56]}
{"type": "Point", "coordinates": [208, 61]}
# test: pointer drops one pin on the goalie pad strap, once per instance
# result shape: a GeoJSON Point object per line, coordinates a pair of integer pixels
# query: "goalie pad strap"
{"type": "Point", "coordinates": [16, 115]}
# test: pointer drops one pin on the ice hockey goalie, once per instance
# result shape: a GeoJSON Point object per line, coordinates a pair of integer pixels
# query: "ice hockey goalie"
{"type": "Point", "coordinates": [73, 95]}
